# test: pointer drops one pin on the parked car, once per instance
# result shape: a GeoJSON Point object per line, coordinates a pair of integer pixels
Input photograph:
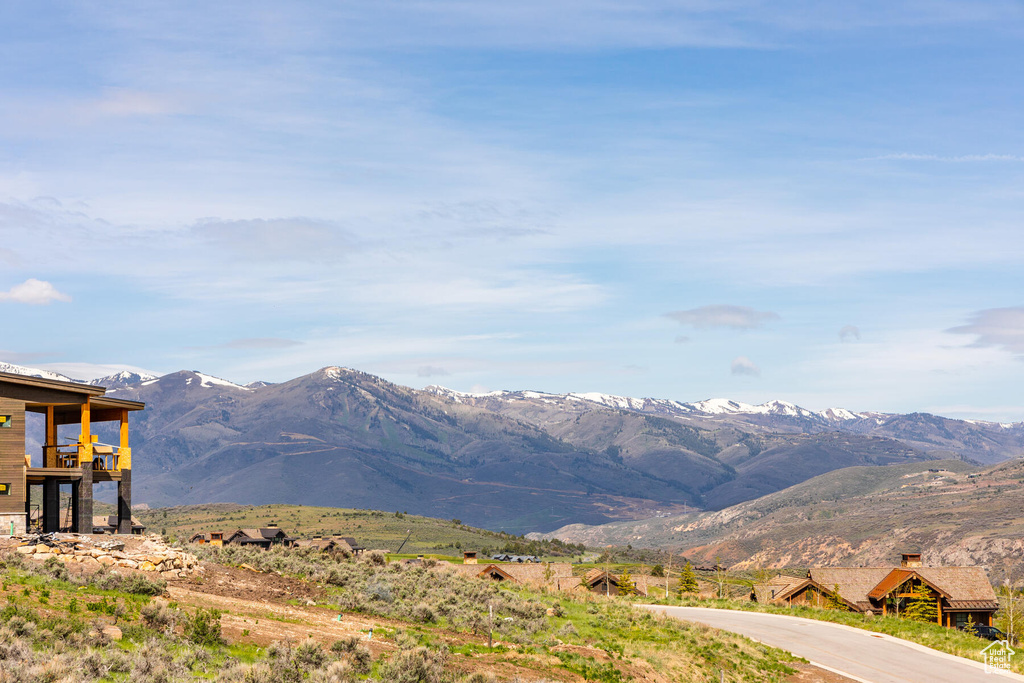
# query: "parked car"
{"type": "Point", "coordinates": [986, 632]}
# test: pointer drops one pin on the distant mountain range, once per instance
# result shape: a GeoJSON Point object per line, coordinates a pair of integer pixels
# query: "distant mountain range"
{"type": "Point", "coordinates": [520, 461]}
{"type": "Point", "coordinates": [952, 512]}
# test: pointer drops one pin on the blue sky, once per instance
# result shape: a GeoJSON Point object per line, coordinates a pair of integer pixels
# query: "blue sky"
{"type": "Point", "coordinates": [688, 199]}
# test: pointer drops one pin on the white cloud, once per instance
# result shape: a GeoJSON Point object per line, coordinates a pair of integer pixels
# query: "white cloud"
{"type": "Point", "coordinates": [723, 315]}
{"type": "Point", "coordinates": [34, 292]}
{"type": "Point", "coordinates": [87, 371]}
{"type": "Point", "coordinates": [125, 102]}
{"type": "Point", "coordinates": [964, 158]}
{"type": "Point", "coordinates": [849, 332]}
{"type": "Point", "coordinates": [997, 327]}
{"type": "Point", "coordinates": [744, 366]}
{"type": "Point", "coordinates": [431, 371]}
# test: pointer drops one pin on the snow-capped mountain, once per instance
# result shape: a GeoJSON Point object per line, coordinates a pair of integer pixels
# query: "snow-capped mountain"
{"type": "Point", "coordinates": [120, 380]}
{"type": "Point", "coordinates": [710, 407]}
{"type": "Point", "coordinates": [209, 381]}
{"type": "Point", "coordinates": [33, 372]}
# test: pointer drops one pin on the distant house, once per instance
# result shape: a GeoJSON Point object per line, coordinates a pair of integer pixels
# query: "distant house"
{"type": "Point", "coordinates": [107, 524]}
{"type": "Point", "coordinates": [353, 544]}
{"type": "Point", "coordinates": [331, 544]}
{"type": "Point", "coordinates": [556, 575]}
{"type": "Point", "coordinates": [961, 594]}
{"type": "Point", "coordinates": [263, 537]}
{"type": "Point", "coordinates": [606, 583]}
{"type": "Point", "coordinates": [518, 559]}
{"type": "Point", "coordinates": [215, 538]}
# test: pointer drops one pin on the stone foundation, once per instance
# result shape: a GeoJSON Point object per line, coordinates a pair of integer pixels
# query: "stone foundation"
{"type": "Point", "coordinates": [151, 555]}
{"type": "Point", "coordinates": [19, 524]}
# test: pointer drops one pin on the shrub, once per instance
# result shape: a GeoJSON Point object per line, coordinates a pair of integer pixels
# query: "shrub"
{"type": "Point", "coordinates": [309, 654]}
{"type": "Point", "coordinates": [361, 660]}
{"type": "Point", "coordinates": [345, 646]}
{"type": "Point", "coordinates": [423, 613]}
{"type": "Point", "coordinates": [415, 666]}
{"type": "Point", "coordinates": [56, 569]}
{"type": "Point", "coordinates": [203, 627]}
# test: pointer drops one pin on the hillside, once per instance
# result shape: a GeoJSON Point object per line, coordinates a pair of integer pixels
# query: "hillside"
{"type": "Point", "coordinates": [859, 516]}
{"type": "Point", "coordinates": [372, 528]}
{"type": "Point", "coordinates": [343, 438]}
{"type": "Point", "coordinates": [517, 461]}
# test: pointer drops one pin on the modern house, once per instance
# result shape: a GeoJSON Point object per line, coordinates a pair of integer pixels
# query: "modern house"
{"type": "Point", "coordinates": [960, 594]}
{"type": "Point", "coordinates": [75, 461]}
{"type": "Point", "coordinates": [262, 537]}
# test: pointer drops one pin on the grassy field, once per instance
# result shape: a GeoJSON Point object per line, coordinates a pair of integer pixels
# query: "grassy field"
{"type": "Point", "coordinates": [423, 629]}
{"type": "Point", "coordinates": [374, 529]}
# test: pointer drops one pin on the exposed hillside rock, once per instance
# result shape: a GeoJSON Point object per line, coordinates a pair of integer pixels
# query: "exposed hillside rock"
{"type": "Point", "coordinates": [948, 510]}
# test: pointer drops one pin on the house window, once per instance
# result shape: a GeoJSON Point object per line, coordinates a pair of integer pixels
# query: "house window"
{"type": "Point", "coordinates": [6, 422]}
{"type": "Point", "coordinates": [961, 619]}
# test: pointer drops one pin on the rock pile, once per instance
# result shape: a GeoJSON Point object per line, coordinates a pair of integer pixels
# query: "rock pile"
{"type": "Point", "coordinates": [148, 555]}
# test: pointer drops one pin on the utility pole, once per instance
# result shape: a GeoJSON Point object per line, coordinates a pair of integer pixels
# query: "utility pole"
{"type": "Point", "coordinates": [490, 625]}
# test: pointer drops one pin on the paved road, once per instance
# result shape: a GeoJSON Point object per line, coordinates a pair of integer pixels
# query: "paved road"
{"type": "Point", "coordinates": [858, 654]}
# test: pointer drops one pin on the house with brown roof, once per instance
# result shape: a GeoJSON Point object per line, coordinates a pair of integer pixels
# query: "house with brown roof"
{"type": "Point", "coordinates": [606, 583]}
{"type": "Point", "coordinates": [208, 538]}
{"type": "Point", "coordinates": [108, 524]}
{"type": "Point", "coordinates": [556, 575]}
{"type": "Point", "coordinates": [328, 544]}
{"type": "Point", "coordinates": [263, 537]}
{"type": "Point", "coordinates": [961, 594]}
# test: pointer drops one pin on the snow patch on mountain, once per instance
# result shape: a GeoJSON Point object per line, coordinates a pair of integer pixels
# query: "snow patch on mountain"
{"type": "Point", "coordinates": [120, 380]}
{"type": "Point", "coordinates": [708, 407]}
{"type": "Point", "coordinates": [33, 372]}
{"type": "Point", "coordinates": [209, 381]}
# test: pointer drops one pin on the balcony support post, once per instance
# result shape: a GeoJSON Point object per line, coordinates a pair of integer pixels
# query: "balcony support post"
{"type": "Point", "coordinates": [51, 505]}
{"type": "Point", "coordinates": [124, 502]}
{"type": "Point", "coordinates": [82, 502]}
{"type": "Point", "coordinates": [50, 441]}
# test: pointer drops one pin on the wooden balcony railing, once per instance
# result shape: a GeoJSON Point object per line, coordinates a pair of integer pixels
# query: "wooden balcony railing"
{"type": "Point", "coordinates": [104, 456]}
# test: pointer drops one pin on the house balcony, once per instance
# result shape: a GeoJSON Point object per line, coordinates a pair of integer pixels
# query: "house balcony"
{"type": "Point", "coordinates": [65, 461]}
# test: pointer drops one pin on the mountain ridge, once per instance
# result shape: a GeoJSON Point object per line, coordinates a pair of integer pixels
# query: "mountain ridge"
{"type": "Point", "coordinates": [519, 461]}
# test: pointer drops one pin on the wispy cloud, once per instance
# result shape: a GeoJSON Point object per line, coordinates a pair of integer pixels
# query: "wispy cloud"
{"type": "Point", "coordinates": [87, 371]}
{"type": "Point", "coordinates": [1001, 328]}
{"type": "Point", "coordinates": [252, 344]}
{"type": "Point", "coordinates": [849, 333]}
{"type": "Point", "coordinates": [964, 158]}
{"type": "Point", "coordinates": [744, 366]}
{"type": "Point", "coordinates": [21, 358]}
{"type": "Point", "coordinates": [299, 239]}
{"type": "Point", "coordinates": [723, 315]}
{"type": "Point", "coordinates": [34, 293]}
{"type": "Point", "coordinates": [431, 371]}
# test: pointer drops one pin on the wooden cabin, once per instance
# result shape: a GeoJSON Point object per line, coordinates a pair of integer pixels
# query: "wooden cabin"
{"type": "Point", "coordinates": [76, 462]}
{"type": "Point", "coordinates": [961, 595]}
